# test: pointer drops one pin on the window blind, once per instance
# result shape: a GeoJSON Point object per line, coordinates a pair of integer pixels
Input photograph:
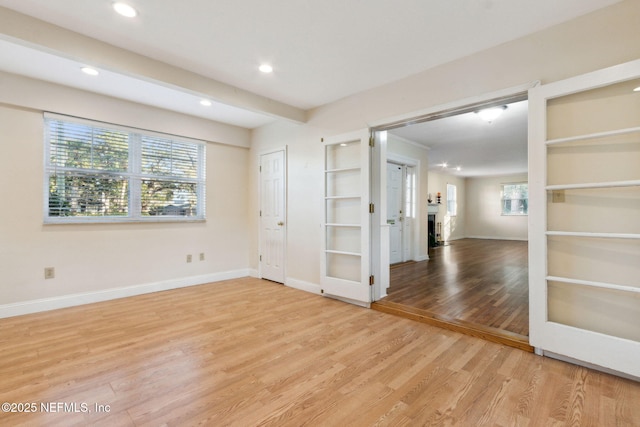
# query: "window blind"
{"type": "Point", "coordinates": [96, 172]}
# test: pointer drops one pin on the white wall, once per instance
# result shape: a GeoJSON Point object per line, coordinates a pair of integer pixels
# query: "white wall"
{"type": "Point", "coordinates": [600, 39]}
{"type": "Point", "coordinates": [92, 259]}
{"type": "Point", "coordinates": [484, 217]}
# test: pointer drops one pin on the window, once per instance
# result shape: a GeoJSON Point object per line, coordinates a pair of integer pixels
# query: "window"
{"type": "Point", "coordinates": [452, 200]}
{"type": "Point", "coordinates": [515, 199]}
{"type": "Point", "coordinates": [96, 172]}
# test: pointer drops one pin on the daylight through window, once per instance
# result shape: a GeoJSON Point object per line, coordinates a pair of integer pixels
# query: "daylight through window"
{"type": "Point", "coordinates": [515, 199]}
{"type": "Point", "coordinates": [96, 172]}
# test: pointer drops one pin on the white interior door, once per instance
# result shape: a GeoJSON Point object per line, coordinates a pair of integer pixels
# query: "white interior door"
{"type": "Point", "coordinates": [394, 211]}
{"type": "Point", "coordinates": [272, 215]}
{"type": "Point", "coordinates": [584, 210]}
{"type": "Point", "coordinates": [345, 265]}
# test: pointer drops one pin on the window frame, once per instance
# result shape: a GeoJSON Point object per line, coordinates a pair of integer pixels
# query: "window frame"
{"type": "Point", "coordinates": [133, 176]}
{"type": "Point", "coordinates": [502, 199]}
{"type": "Point", "coordinates": [452, 200]}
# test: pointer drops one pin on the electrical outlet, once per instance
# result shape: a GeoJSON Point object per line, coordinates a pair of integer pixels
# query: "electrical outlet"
{"type": "Point", "coordinates": [49, 273]}
{"type": "Point", "coordinates": [189, 258]}
{"type": "Point", "coordinates": [201, 256]}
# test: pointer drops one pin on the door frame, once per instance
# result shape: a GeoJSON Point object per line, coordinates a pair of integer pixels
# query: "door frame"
{"type": "Point", "coordinates": [411, 162]}
{"type": "Point", "coordinates": [285, 185]}
{"type": "Point", "coordinates": [380, 246]}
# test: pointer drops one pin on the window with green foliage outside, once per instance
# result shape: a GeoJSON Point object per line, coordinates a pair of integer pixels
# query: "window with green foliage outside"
{"type": "Point", "coordinates": [97, 172]}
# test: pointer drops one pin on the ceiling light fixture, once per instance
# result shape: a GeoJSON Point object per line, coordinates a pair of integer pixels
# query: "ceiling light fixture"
{"type": "Point", "coordinates": [125, 10]}
{"type": "Point", "coordinates": [637, 89]}
{"type": "Point", "coordinates": [90, 71]}
{"type": "Point", "coordinates": [205, 102]}
{"type": "Point", "coordinates": [490, 114]}
{"type": "Point", "coordinates": [266, 68]}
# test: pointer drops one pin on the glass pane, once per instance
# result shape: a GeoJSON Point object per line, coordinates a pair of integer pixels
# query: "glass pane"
{"type": "Point", "coordinates": [79, 146]}
{"type": "Point", "coordinates": [344, 239]}
{"type": "Point", "coordinates": [602, 210]}
{"type": "Point", "coordinates": [599, 110]}
{"type": "Point", "coordinates": [168, 198]}
{"type": "Point", "coordinates": [607, 311]}
{"type": "Point", "coordinates": [613, 261]}
{"type": "Point", "coordinates": [167, 157]}
{"type": "Point", "coordinates": [343, 156]}
{"type": "Point", "coordinates": [345, 267]}
{"type": "Point", "coordinates": [344, 183]}
{"type": "Point", "coordinates": [343, 211]}
{"type": "Point", "coordinates": [88, 196]}
{"type": "Point", "coordinates": [607, 159]}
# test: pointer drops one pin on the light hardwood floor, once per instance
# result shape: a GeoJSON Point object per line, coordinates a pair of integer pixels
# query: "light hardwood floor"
{"type": "Point", "coordinates": [249, 352]}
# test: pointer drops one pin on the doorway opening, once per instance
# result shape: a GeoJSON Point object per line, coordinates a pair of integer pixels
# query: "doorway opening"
{"type": "Point", "coordinates": [471, 273]}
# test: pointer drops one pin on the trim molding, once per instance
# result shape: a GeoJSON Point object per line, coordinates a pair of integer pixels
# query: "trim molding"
{"type": "Point", "coordinates": [492, 238]}
{"type": "Point", "coordinates": [303, 286]}
{"type": "Point", "coordinates": [64, 301]}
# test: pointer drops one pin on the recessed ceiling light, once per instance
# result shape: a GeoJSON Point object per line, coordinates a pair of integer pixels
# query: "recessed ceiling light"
{"type": "Point", "coordinates": [458, 168]}
{"type": "Point", "coordinates": [266, 68]}
{"type": "Point", "coordinates": [90, 71]}
{"type": "Point", "coordinates": [125, 10]}
{"type": "Point", "coordinates": [637, 89]}
{"type": "Point", "coordinates": [205, 102]}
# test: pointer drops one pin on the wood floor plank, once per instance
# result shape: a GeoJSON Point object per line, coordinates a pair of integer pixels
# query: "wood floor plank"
{"type": "Point", "coordinates": [248, 352]}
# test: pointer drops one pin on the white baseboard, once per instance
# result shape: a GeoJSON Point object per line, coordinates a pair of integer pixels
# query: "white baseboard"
{"type": "Point", "coordinates": [303, 286]}
{"type": "Point", "coordinates": [496, 238]}
{"type": "Point", "coordinates": [424, 257]}
{"type": "Point", "coordinates": [46, 304]}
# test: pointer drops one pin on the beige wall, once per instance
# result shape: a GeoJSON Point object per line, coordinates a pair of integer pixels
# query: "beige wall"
{"type": "Point", "coordinates": [600, 39]}
{"type": "Point", "coordinates": [453, 227]}
{"type": "Point", "coordinates": [484, 217]}
{"type": "Point", "coordinates": [91, 259]}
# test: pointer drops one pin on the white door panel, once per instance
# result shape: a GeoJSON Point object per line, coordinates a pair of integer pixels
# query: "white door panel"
{"type": "Point", "coordinates": [584, 242]}
{"type": "Point", "coordinates": [345, 264]}
{"type": "Point", "coordinates": [272, 215]}
{"type": "Point", "coordinates": [394, 212]}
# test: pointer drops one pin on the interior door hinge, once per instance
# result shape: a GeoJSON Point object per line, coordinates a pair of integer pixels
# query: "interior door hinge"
{"type": "Point", "coordinates": [261, 258]}
{"type": "Point", "coordinates": [372, 208]}
{"type": "Point", "coordinates": [372, 141]}
{"type": "Point", "coordinates": [371, 280]}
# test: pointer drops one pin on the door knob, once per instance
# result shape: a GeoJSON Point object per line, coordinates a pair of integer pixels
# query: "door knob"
{"type": "Point", "coordinates": [280, 223]}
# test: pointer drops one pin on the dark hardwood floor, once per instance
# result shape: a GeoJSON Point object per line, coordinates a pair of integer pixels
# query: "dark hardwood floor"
{"type": "Point", "coordinates": [477, 284]}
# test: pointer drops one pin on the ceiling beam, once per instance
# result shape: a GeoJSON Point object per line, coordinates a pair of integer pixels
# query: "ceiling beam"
{"type": "Point", "coordinates": [34, 33]}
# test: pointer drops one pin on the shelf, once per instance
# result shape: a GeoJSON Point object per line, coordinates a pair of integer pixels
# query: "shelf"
{"type": "Point", "coordinates": [342, 253]}
{"type": "Point", "coordinates": [586, 185]}
{"type": "Point", "coordinates": [590, 283]}
{"type": "Point", "coordinates": [593, 136]}
{"type": "Point", "coordinates": [593, 235]}
{"type": "Point", "coordinates": [354, 169]}
{"type": "Point", "coordinates": [341, 197]}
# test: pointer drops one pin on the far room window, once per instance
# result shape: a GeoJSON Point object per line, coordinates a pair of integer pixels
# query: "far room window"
{"type": "Point", "coordinates": [452, 200]}
{"type": "Point", "coordinates": [515, 199]}
{"type": "Point", "coordinates": [97, 172]}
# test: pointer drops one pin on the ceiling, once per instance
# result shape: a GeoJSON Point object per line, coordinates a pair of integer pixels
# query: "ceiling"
{"type": "Point", "coordinates": [476, 147]}
{"type": "Point", "coordinates": [321, 51]}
